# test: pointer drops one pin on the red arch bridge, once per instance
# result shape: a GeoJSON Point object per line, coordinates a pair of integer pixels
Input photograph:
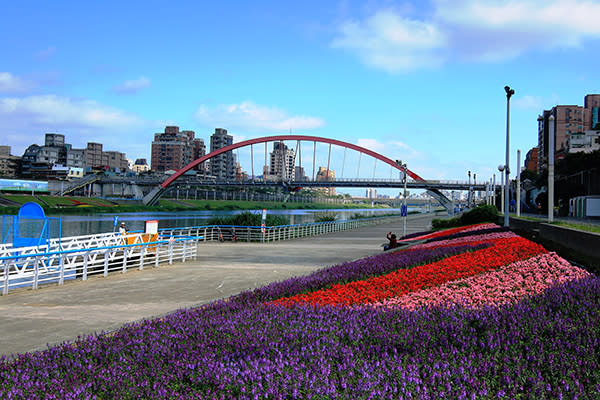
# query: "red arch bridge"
{"type": "Point", "coordinates": [283, 167]}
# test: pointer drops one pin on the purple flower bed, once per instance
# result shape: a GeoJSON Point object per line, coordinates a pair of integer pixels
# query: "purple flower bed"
{"type": "Point", "coordinates": [546, 347]}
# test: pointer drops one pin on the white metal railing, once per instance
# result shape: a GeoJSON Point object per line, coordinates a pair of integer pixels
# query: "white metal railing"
{"type": "Point", "coordinates": [79, 257]}
{"type": "Point", "coordinates": [99, 255]}
{"type": "Point", "coordinates": [272, 233]}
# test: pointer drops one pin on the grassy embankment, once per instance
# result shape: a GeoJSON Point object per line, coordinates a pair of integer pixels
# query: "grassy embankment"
{"type": "Point", "coordinates": [84, 205]}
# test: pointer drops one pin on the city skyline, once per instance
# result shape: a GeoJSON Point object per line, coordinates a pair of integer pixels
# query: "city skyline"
{"type": "Point", "coordinates": [417, 81]}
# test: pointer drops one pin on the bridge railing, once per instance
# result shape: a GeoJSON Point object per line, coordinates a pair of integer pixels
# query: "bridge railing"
{"type": "Point", "coordinates": [273, 233]}
{"type": "Point", "coordinates": [29, 267]}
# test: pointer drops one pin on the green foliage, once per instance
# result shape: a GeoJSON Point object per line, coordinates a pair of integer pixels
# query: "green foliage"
{"type": "Point", "coordinates": [325, 217]}
{"type": "Point", "coordinates": [576, 162]}
{"type": "Point", "coordinates": [248, 219]}
{"type": "Point", "coordinates": [482, 213]}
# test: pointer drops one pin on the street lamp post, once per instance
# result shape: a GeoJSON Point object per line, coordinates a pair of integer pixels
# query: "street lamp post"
{"type": "Point", "coordinates": [509, 93]}
{"type": "Point", "coordinates": [501, 168]}
{"type": "Point", "coordinates": [518, 210]}
{"type": "Point", "coordinates": [469, 193]}
{"type": "Point", "coordinates": [551, 169]}
{"type": "Point", "coordinates": [494, 190]}
{"type": "Point", "coordinates": [404, 211]}
{"type": "Point", "coordinates": [474, 184]}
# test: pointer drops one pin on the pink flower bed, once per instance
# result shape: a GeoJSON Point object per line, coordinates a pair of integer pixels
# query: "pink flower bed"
{"type": "Point", "coordinates": [508, 284]}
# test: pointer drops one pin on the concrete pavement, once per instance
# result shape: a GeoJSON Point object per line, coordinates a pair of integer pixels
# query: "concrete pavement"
{"type": "Point", "coordinates": [31, 319]}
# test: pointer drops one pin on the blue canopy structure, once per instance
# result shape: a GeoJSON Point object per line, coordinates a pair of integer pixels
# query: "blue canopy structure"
{"type": "Point", "coordinates": [30, 227]}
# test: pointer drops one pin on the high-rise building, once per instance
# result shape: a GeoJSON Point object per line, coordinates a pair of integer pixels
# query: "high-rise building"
{"type": "Point", "coordinates": [568, 120]}
{"type": "Point", "coordinates": [591, 105]}
{"type": "Point", "coordinates": [222, 166]}
{"type": "Point", "coordinates": [531, 159]}
{"type": "Point", "coordinates": [282, 160]}
{"type": "Point", "coordinates": [325, 174]}
{"type": "Point", "coordinates": [199, 151]}
{"type": "Point", "coordinates": [172, 149]}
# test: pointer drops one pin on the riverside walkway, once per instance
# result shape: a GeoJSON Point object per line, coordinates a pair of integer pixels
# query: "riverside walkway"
{"type": "Point", "coordinates": [29, 320]}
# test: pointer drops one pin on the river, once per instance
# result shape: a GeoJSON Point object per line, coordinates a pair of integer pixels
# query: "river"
{"type": "Point", "coordinates": [76, 225]}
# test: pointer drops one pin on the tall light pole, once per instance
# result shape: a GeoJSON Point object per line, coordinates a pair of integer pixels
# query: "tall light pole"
{"type": "Point", "coordinates": [474, 184]}
{"type": "Point", "coordinates": [509, 93]}
{"type": "Point", "coordinates": [501, 169]}
{"type": "Point", "coordinates": [469, 193]}
{"type": "Point", "coordinates": [494, 190]}
{"type": "Point", "coordinates": [518, 210]}
{"type": "Point", "coordinates": [551, 168]}
{"type": "Point", "coordinates": [404, 210]}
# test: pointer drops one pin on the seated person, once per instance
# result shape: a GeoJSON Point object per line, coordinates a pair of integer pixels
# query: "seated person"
{"type": "Point", "coordinates": [393, 242]}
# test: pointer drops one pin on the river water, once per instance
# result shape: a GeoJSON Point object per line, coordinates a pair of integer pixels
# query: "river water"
{"type": "Point", "coordinates": [76, 225]}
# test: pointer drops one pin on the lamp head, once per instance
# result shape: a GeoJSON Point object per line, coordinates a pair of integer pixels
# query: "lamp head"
{"type": "Point", "coordinates": [500, 167]}
{"type": "Point", "coordinates": [509, 91]}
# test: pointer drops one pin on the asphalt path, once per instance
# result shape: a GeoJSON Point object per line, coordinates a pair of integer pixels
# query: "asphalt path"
{"type": "Point", "coordinates": [30, 320]}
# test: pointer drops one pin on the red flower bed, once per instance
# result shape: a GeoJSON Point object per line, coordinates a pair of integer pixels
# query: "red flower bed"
{"type": "Point", "coordinates": [403, 281]}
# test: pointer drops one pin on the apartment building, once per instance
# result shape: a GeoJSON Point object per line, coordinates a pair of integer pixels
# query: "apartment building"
{"type": "Point", "coordinates": [282, 160]}
{"type": "Point", "coordinates": [174, 149]}
{"type": "Point", "coordinates": [222, 166]}
{"type": "Point", "coordinates": [568, 120]}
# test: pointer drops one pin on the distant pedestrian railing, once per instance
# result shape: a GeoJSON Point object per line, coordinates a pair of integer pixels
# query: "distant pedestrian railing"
{"type": "Point", "coordinates": [273, 233]}
{"type": "Point", "coordinates": [83, 256]}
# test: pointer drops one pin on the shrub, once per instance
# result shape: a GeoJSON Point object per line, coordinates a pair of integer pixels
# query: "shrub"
{"type": "Point", "coordinates": [481, 213]}
{"type": "Point", "coordinates": [325, 217]}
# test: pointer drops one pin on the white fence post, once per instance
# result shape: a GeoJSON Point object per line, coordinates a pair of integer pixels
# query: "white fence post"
{"type": "Point", "coordinates": [61, 265]}
{"type": "Point", "coordinates": [105, 263]}
{"type": "Point", "coordinates": [36, 265]}
{"type": "Point", "coordinates": [124, 260]}
{"type": "Point", "coordinates": [142, 252]}
{"type": "Point", "coordinates": [85, 266]}
{"type": "Point", "coordinates": [6, 274]}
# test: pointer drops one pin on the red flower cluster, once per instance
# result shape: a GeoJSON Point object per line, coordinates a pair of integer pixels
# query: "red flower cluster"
{"type": "Point", "coordinates": [403, 281]}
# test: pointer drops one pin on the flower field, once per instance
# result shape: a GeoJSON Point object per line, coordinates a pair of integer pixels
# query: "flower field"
{"type": "Point", "coordinates": [467, 313]}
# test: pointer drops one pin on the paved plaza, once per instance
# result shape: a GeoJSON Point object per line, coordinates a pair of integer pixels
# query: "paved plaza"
{"type": "Point", "coordinates": [31, 319]}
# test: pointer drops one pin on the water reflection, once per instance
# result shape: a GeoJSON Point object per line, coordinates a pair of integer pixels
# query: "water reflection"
{"type": "Point", "coordinates": [76, 225]}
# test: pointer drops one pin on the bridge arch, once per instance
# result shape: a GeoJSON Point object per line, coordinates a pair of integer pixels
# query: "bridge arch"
{"type": "Point", "coordinates": [279, 138]}
{"type": "Point", "coordinates": [152, 197]}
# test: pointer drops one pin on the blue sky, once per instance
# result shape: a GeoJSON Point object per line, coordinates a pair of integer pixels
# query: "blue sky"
{"type": "Point", "coordinates": [421, 81]}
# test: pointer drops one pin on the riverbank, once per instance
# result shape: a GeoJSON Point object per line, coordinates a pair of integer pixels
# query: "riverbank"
{"type": "Point", "coordinates": [54, 205]}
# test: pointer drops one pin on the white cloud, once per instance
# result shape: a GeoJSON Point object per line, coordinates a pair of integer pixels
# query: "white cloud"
{"type": "Point", "coordinates": [132, 86]}
{"type": "Point", "coordinates": [392, 42]}
{"type": "Point", "coordinates": [81, 120]}
{"type": "Point", "coordinates": [13, 84]}
{"type": "Point", "coordinates": [254, 117]}
{"type": "Point", "coordinates": [473, 30]}
{"type": "Point", "coordinates": [395, 150]}
{"type": "Point", "coordinates": [52, 109]}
